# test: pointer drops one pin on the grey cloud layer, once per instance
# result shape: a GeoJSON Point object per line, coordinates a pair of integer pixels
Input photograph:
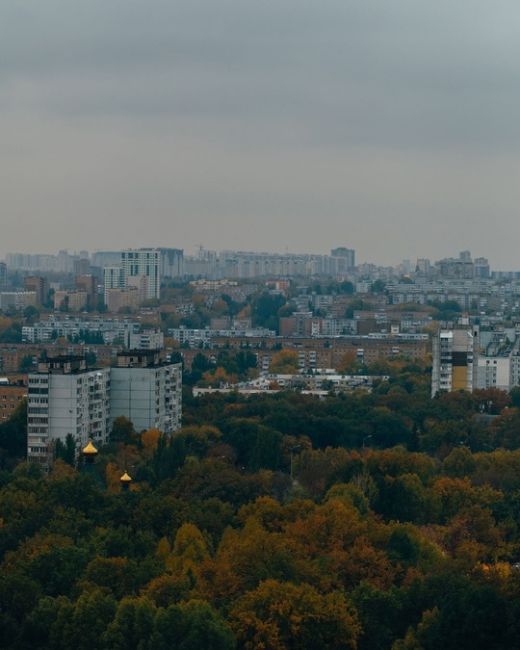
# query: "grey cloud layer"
{"type": "Point", "coordinates": [232, 122]}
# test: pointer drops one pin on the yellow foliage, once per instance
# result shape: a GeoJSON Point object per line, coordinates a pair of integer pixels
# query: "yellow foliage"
{"type": "Point", "coordinates": [5, 323]}
{"type": "Point", "coordinates": [150, 440]}
{"type": "Point", "coordinates": [349, 363]}
{"type": "Point", "coordinates": [112, 476]}
{"type": "Point", "coordinates": [189, 549]}
{"type": "Point", "coordinates": [284, 362]}
{"type": "Point", "coordinates": [163, 548]}
{"type": "Point", "coordinates": [278, 615]}
{"type": "Point", "coordinates": [61, 470]}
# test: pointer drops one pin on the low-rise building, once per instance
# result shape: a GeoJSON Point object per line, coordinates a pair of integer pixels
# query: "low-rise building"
{"type": "Point", "coordinates": [18, 300]}
{"type": "Point", "coordinates": [11, 395]}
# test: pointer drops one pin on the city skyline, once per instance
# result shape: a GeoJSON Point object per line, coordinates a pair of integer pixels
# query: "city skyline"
{"type": "Point", "coordinates": [194, 253]}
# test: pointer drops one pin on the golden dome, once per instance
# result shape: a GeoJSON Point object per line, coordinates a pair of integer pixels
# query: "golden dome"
{"type": "Point", "coordinates": [126, 478]}
{"type": "Point", "coordinates": [90, 450]}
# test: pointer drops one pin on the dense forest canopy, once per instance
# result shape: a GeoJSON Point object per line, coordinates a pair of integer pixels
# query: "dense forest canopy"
{"type": "Point", "coordinates": [363, 520]}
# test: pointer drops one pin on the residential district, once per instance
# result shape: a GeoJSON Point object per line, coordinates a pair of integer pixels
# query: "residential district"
{"type": "Point", "coordinates": [89, 338]}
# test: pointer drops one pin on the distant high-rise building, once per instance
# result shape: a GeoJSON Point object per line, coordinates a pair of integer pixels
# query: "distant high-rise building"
{"type": "Point", "coordinates": [106, 258]}
{"type": "Point", "coordinates": [455, 358]}
{"type": "Point", "coordinates": [3, 275]}
{"type": "Point", "coordinates": [88, 284]}
{"type": "Point", "coordinates": [171, 262]}
{"type": "Point", "coordinates": [139, 282]}
{"type": "Point", "coordinates": [60, 263]}
{"type": "Point", "coordinates": [481, 265]}
{"type": "Point", "coordinates": [461, 268]}
{"type": "Point", "coordinates": [143, 261]}
{"type": "Point", "coordinates": [423, 266]}
{"type": "Point", "coordinates": [349, 254]}
{"type": "Point", "coordinates": [82, 266]}
{"type": "Point", "coordinates": [39, 286]}
{"type": "Point", "coordinates": [113, 278]}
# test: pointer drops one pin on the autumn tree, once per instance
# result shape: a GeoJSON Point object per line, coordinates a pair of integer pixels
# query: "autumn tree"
{"type": "Point", "coordinates": [282, 615]}
{"type": "Point", "coordinates": [284, 362]}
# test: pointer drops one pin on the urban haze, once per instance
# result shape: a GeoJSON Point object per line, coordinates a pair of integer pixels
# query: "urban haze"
{"type": "Point", "coordinates": [390, 127]}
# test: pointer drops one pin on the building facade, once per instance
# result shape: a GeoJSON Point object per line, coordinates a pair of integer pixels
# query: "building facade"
{"type": "Point", "coordinates": [11, 395]}
{"type": "Point", "coordinates": [146, 391]}
{"type": "Point", "coordinates": [64, 397]}
{"type": "Point", "coordinates": [3, 275]}
{"type": "Point", "coordinates": [143, 262]}
{"type": "Point", "coordinates": [455, 358]}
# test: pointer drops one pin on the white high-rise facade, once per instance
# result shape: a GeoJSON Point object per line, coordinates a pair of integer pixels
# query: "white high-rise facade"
{"type": "Point", "coordinates": [113, 278]}
{"type": "Point", "coordinates": [143, 262]}
{"type": "Point", "coordinates": [146, 391]}
{"type": "Point", "coordinates": [65, 398]}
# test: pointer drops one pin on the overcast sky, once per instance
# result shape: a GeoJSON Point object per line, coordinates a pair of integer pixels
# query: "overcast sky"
{"type": "Point", "coordinates": [392, 127]}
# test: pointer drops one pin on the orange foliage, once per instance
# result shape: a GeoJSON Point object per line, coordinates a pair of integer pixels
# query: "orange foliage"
{"type": "Point", "coordinates": [150, 440]}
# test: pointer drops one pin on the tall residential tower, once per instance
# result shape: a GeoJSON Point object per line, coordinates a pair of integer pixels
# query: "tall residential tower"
{"type": "Point", "coordinates": [455, 358]}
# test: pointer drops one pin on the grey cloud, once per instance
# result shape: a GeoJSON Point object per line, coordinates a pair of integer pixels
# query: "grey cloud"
{"type": "Point", "coordinates": [263, 113]}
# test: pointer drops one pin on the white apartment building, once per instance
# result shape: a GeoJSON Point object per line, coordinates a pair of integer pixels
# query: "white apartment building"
{"type": "Point", "coordinates": [146, 391]}
{"type": "Point", "coordinates": [113, 278]}
{"type": "Point", "coordinates": [143, 262]}
{"type": "Point", "coordinates": [65, 398]}
{"type": "Point", "coordinates": [151, 339]}
{"type": "Point", "coordinates": [499, 367]}
{"type": "Point", "coordinates": [494, 372]}
{"type": "Point", "coordinates": [110, 329]}
{"type": "Point", "coordinates": [203, 337]}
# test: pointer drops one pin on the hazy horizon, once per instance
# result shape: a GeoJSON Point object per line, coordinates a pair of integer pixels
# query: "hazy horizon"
{"type": "Point", "coordinates": [390, 128]}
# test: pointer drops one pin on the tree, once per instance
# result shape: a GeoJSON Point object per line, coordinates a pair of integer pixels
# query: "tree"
{"type": "Point", "coordinates": [122, 430]}
{"type": "Point", "coordinates": [93, 612]}
{"type": "Point", "coordinates": [168, 457]}
{"type": "Point", "coordinates": [403, 498]}
{"type": "Point", "coordinates": [279, 615]}
{"type": "Point", "coordinates": [66, 451]}
{"type": "Point", "coordinates": [113, 573]}
{"type": "Point", "coordinates": [11, 334]}
{"type": "Point", "coordinates": [349, 364]}
{"type": "Point", "coordinates": [168, 589]}
{"type": "Point", "coordinates": [515, 396]}
{"type": "Point", "coordinates": [264, 310]}
{"type": "Point", "coordinates": [346, 287]}
{"type": "Point", "coordinates": [378, 286]}
{"type": "Point", "coordinates": [132, 626]}
{"type": "Point", "coordinates": [459, 463]}
{"type": "Point", "coordinates": [27, 363]}
{"type": "Point", "coordinates": [191, 626]}
{"type": "Point", "coordinates": [13, 432]}
{"type": "Point", "coordinates": [491, 400]}
{"type": "Point", "coordinates": [189, 548]}
{"type": "Point", "coordinates": [30, 314]}
{"type": "Point", "coordinates": [284, 362]}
